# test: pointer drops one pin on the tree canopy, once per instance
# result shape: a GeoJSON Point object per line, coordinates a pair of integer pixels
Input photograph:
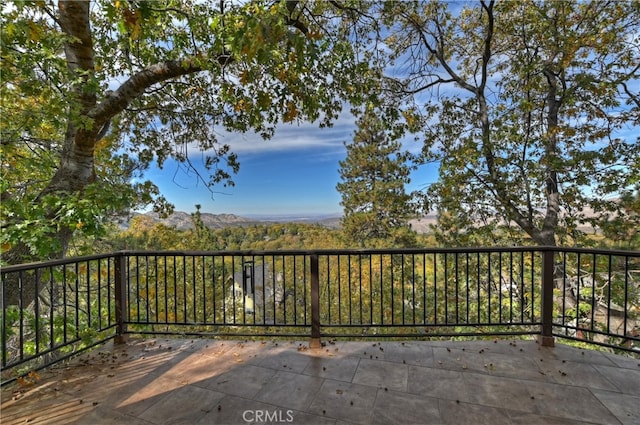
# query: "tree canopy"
{"type": "Point", "coordinates": [529, 108]}
{"type": "Point", "coordinates": [95, 92]}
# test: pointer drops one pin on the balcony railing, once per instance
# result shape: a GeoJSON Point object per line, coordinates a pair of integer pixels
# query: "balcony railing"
{"type": "Point", "coordinates": [579, 294]}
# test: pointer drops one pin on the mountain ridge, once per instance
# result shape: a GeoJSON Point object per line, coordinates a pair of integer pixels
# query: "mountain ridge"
{"type": "Point", "coordinates": [183, 221]}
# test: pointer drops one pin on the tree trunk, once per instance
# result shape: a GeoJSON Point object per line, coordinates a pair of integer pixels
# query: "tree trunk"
{"type": "Point", "coordinates": [547, 235]}
{"type": "Point", "coordinates": [76, 169]}
{"type": "Point", "coordinates": [87, 116]}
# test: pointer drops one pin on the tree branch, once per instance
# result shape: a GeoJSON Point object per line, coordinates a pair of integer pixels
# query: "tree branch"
{"type": "Point", "coordinates": [486, 54]}
{"type": "Point", "coordinates": [135, 86]}
{"type": "Point", "coordinates": [74, 21]}
{"type": "Point", "coordinates": [632, 97]}
{"type": "Point", "coordinates": [295, 22]}
{"type": "Point", "coordinates": [439, 55]}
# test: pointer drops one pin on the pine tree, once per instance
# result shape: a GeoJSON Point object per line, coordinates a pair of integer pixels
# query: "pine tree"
{"type": "Point", "coordinates": [373, 178]}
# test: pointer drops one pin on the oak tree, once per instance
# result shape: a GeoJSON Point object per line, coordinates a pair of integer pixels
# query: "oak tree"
{"type": "Point", "coordinates": [95, 92]}
{"type": "Point", "coordinates": [529, 108]}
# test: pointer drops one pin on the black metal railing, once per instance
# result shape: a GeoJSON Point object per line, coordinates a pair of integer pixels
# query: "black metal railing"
{"type": "Point", "coordinates": [443, 292]}
{"type": "Point", "coordinates": [580, 294]}
{"type": "Point", "coordinates": [51, 310]}
{"type": "Point", "coordinates": [224, 293]}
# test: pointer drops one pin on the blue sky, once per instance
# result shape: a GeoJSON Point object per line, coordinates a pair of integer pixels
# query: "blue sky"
{"type": "Point", "coordinates": [295, 173]}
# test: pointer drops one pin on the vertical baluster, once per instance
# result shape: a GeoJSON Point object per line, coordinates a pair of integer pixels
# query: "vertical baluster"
{"type": "Point", "coordinates": [546, 335]}
{"type": "Point", "coordinates": [315, 302]}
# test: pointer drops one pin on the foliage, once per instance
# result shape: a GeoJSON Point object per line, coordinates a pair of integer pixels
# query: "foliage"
{"type": "Point", "coordinates": [373, 179]}
{"type": "Point", "coordinates": [529, 108]}
{"type": "Point", "coordinates": [74, 310]}
{"type": "Point", "coordinates": [376, 293]}
{"type": "Point", "coordinates": [624, 231]}
{"type": "Point", "coordinates": [144, 234]}
{"type": "Point", "coordinates": [93, 93]}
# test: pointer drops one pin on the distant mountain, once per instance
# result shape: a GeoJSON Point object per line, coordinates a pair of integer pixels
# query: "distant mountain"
{"type": "Point", "coordinates": [331, 221]}
{"type": "Point", "coordinates": [182, 220]}
{"type": "Point", "coordinates": [423, 224]}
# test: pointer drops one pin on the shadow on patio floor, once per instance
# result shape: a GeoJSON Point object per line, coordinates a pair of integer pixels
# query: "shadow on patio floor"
{"type": "Point", "coordinates": [212, 381]}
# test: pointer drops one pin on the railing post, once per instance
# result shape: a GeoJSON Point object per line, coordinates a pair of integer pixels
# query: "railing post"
{"type": "Point", "coordinates": [121, 298]}
{"type": "Point", "coordinates": [315, 303]}
{"type": "Point", "coordinates": [546, 336]}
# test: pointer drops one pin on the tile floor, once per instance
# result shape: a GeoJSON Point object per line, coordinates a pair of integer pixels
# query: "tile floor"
{"type": "Point", "coordinates": [206, 381]}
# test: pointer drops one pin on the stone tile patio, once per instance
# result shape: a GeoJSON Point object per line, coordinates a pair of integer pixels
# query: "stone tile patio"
{"type": "Point", "coordinates": [206, 381]}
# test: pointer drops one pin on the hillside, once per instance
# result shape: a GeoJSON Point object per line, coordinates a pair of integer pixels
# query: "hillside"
{"type": "Point", "coordinates": [422, 225]}
{"type": "Point", "coordinates": [182, 220]}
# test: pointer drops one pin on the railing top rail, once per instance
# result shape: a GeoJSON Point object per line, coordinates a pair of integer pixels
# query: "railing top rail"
{"type": "Point", "coordinates": [346, 251]}
{"type": "Point", "coordinates": [340, 251]}
{"type": "Point", "coordinates": [56, 262]}
{"type": "Point", "coordinates": [303, 252]}
{"type": "Point", "coordinates": [599, 251]}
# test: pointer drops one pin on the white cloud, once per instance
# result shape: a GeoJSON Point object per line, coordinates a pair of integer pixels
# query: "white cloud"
{"type": "Point", "coordinates": [294, 137]}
